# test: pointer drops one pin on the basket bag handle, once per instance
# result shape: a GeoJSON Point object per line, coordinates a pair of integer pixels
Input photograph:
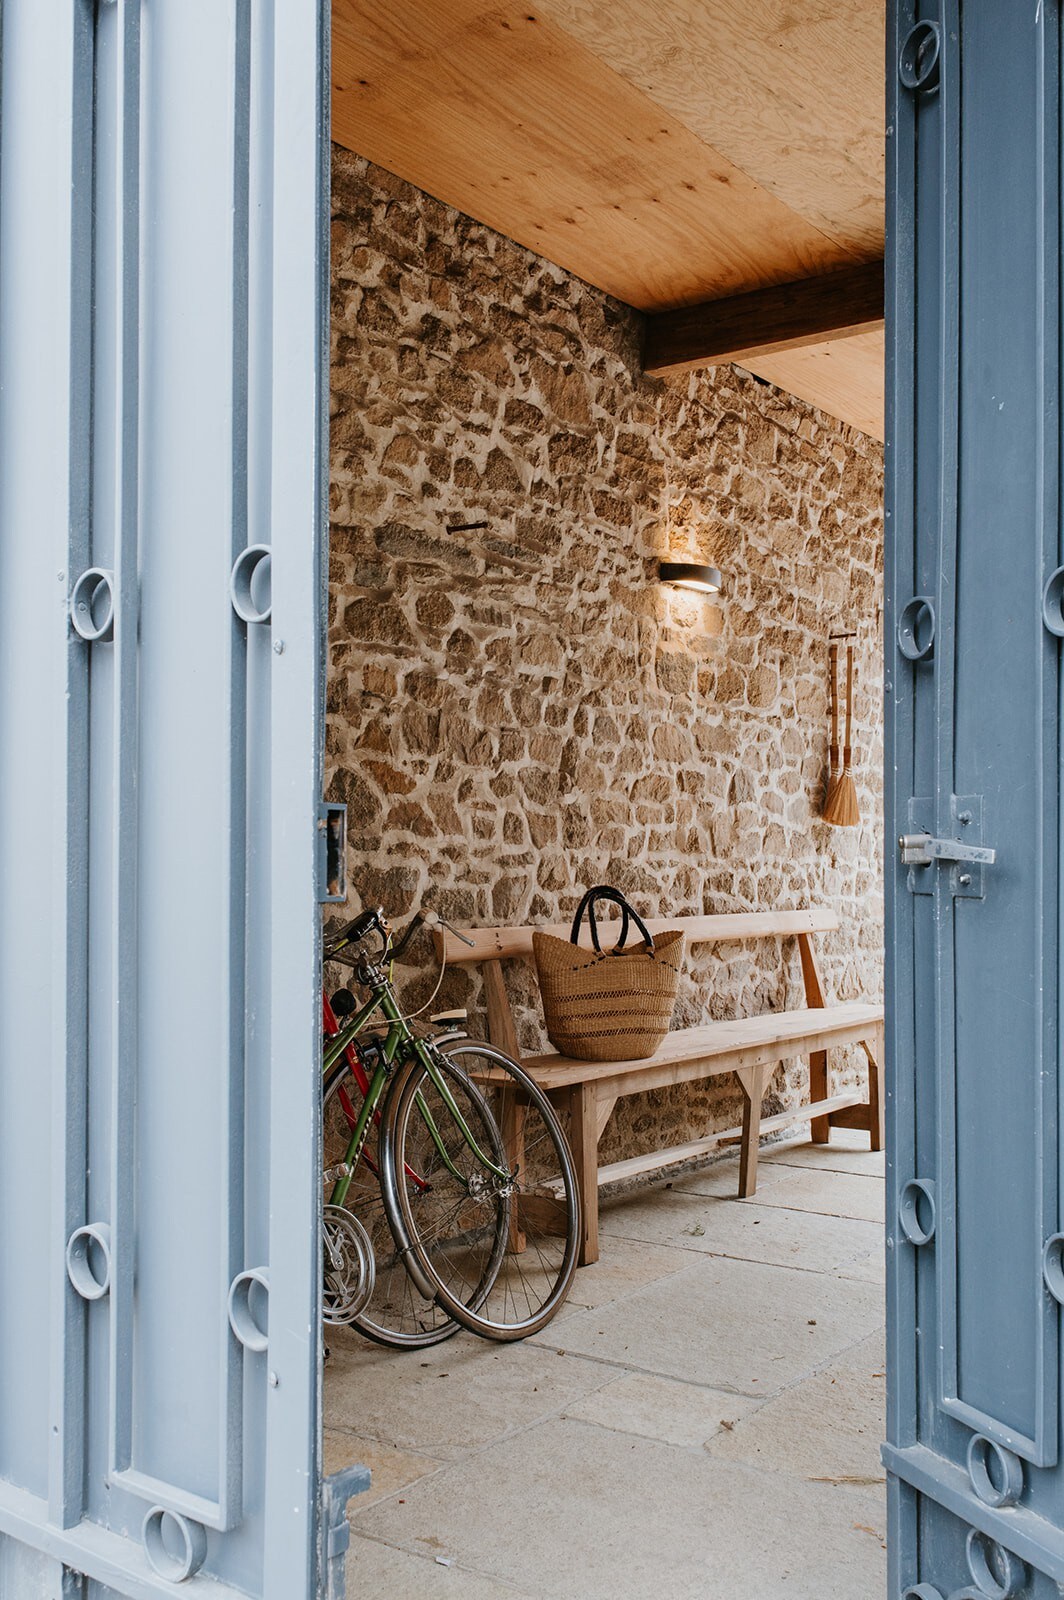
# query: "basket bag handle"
{"type": "Point", "coordinates": [628, 915]}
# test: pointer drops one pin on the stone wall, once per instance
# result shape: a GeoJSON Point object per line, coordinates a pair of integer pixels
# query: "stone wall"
{"type": "Point", "coordinates": [517, 709]}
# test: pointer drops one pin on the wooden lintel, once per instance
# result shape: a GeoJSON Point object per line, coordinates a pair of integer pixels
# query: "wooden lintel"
{"type": "Point", "coordinates": [834, 305]}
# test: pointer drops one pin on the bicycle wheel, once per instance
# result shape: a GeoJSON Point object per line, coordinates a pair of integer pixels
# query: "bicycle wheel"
{"type": "Point", "coordinates": [535, 1200]}
{"type": "Point", "coordinates": [396, 1314]}
{"type": "Point", "coordinates": [348, 1265]}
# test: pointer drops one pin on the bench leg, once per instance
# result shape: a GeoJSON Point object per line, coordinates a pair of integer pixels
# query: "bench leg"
{"type": "Point", "coordinates": [583, 1137]}
{"type": "Point", "coordinates": [875, 1053]}
{"type": "Point", "coordinates": [819, 1127]}
{"type": "Point", "coordinates": [754, 1081]}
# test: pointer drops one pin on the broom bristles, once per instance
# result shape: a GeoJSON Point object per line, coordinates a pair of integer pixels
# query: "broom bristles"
{"type": "Point", "coordinates": [840, 807]}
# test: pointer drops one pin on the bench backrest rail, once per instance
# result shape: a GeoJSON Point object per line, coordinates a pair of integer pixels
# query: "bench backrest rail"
{"type": "Point", "coordinates": [507, 944]}
{"type": "Point", "coordinates": [492, 946]}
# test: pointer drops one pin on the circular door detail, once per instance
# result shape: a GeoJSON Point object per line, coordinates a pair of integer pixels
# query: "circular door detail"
{"type": "Point", "coordinates": [995, 1571]}
{"type": "Point", "coordinates": [250, 585]}
{"type": "Point", "coordinates": [249, 1302]}
{"type": "Point", "coordinates": [88, 1260]}
{"type": "Point", "coordinates": [918, 63]}
{"type": "Point", "coordinates": [92, 606]}
{"type": "Point", "coordinates": [996, 1474]}
{"type": "Point", "coordinates": [916, 1211]}
{"type": "Point", "coordinates": [174, 1545]}
{"type": "Point", "coordinates": [1053, 1266]}
{"type": "Point", "coordinates": [1053, 603]}
{"type": "Point", "coordinates": [916, 629]}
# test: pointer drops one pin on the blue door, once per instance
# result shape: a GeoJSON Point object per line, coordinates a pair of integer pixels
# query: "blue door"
{"type": "Point", "coordinates": [161, 513]}
{"type": "Point", "coordinates": [975, 617]}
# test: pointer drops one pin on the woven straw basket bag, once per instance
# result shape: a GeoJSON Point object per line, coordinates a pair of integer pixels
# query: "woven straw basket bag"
{"type": "Point", "coordinates": [608, 1005]}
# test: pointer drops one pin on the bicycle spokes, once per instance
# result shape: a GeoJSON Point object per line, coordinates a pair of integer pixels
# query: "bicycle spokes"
{"type": "Point", "coordinates": [349, 1266]}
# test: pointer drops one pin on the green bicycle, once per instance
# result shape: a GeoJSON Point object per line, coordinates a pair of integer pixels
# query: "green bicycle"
{"type": "Point", "coordinates": [451, 1197]}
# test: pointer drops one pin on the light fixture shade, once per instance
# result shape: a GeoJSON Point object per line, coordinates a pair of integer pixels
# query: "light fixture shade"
{"type": "Point", "coordinates": [690, 575]}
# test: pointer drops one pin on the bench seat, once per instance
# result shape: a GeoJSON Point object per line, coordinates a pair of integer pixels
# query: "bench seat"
{"type": "Point", "coordinates": [725, 1046]}
{"type": "Point", "coordinates": [751, 1047]}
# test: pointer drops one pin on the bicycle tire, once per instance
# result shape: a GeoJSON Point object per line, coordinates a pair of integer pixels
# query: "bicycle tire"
{"type": "Point", "coordinates": [539, 1204]}
{"type": "Point", "coordinates": [397, 1314]}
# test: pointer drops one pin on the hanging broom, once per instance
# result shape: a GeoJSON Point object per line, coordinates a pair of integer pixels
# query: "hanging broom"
{"type": "Point", "coordinates": [841, 808]}
{"type": "Point", "coordinates": [833, 707]}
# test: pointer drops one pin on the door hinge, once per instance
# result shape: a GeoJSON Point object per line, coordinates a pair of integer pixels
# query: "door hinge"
{"type": "Point", "coordinates": [336, 1491]}
{"type": "Point", "coordinates": [332, 853]}
{"type": "Point", "coordinates": [966, 858]}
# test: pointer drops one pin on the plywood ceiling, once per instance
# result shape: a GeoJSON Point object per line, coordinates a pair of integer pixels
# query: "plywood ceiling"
{"type": "Point", "coordinates": [844, 377]}
{"type": "Point", "coordinates": [668, 151]}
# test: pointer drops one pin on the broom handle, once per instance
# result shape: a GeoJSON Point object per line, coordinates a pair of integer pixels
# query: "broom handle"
{"type": "Point", "coordinates": [833, 697]}
{"type": "Point", "coordinates": [849, 704]}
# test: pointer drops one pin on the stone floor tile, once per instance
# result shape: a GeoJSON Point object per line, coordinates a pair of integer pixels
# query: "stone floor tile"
{"type": "Point", "coordinates": [625, 1266]}
{"type": "Point", "coordinates": [662, 1408]}
{"type": "Point", "coordinates": [829, 1426]}
{"type": "Point", "coordinates": [707, 1224]}
{"type": "Point", "coordinates": [582, 1513]}
{"type": "Point", "coordinates": [847, 1151]}
{"type": "Point", "coordinates": [871, 1268]}
{"type": "Point", "coordinates": [452, 1398]}
{"type": "Point", "coordinates": [380, 1569]}
{"type": "Point", "coordinates": [392, 1469]}
{"type": "Point", "coordinates": [836, 1194]}
{"type": "Point", "coordinates": [721, 1178]}
{"type": "Point", "coordinates": [736, 1325]}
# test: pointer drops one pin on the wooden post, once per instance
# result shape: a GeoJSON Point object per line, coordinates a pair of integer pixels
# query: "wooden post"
{"type": "Point", "coordinates": [819, 1127]}
{"type": "Point", "coordinates": [754, 1081]}
{"type": "Point", "coordinates": [583, 1138]}
{"type": "Point", "coordinates": [501, 1029]}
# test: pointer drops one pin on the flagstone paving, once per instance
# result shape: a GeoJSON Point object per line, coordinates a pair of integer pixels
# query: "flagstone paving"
{"type": "Point", "coordinates": [702, 1420]}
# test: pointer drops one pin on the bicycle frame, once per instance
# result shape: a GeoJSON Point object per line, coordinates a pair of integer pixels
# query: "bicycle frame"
{"type": "Point", "coordinates": [400, 1041]}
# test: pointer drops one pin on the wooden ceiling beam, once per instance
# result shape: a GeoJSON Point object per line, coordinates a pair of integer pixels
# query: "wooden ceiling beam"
{"type": "Point", "coordinates": [765, 322]}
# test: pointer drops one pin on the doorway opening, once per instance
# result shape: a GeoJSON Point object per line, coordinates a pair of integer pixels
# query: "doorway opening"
{"type": "Point", "coordinates": [519, 709]}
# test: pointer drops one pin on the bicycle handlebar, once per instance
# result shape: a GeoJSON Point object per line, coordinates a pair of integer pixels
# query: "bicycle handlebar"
{"type": "Point", "coordinates": [363, 923]}
{"type": "Point", "coordinates": [357, 929]}
{"type": "Point", "coordinates": [374, 920]}
{"type": "Point", "coordinates": [416, 921]}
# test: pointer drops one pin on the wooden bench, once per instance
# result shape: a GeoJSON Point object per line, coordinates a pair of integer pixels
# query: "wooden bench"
{"type": "Point", "coordinates": [751, 1047]}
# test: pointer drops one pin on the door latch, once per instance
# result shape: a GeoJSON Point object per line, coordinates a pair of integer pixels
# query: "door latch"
{"type": "Point", "coordinates": [920, 849]}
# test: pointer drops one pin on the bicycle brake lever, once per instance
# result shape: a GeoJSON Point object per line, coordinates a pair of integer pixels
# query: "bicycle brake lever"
{"type": "Point", "coordinates": [432, 919]}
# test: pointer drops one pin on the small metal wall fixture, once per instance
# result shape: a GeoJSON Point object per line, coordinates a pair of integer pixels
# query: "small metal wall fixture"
{"type": "Point", "coordinates": [694, 576]}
